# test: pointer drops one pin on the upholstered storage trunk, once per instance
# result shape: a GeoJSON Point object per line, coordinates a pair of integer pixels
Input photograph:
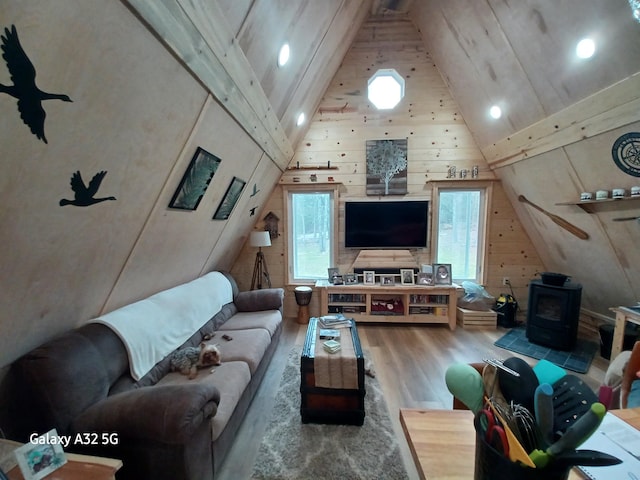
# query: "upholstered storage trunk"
{"type": "Point", "coordinates": [330, 405]}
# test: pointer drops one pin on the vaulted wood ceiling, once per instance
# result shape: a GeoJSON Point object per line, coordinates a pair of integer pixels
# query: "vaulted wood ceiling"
{"type": "Point", "coordinates": [517, 54]}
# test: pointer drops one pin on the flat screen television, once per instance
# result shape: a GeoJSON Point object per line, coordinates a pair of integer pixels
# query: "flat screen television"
{"type": "Point", "coordinates": [386, 224]}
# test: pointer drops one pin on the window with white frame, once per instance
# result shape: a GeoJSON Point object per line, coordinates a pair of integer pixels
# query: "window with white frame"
{"type": "Point", "coordinates": [311, 242]}
{"type": "Point", "coordinates": [460, 230]}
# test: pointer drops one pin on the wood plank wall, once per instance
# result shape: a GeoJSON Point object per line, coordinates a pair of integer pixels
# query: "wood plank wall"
{"type": "Point", "coordinates": [438, 138]}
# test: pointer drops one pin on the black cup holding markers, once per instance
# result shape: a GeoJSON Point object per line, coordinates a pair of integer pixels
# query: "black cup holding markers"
{"type": "Point", "coordinates": [493, 465]}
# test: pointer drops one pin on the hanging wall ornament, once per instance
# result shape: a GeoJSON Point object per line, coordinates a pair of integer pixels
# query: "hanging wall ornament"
{"type": "Point", "coordinates": [626, 153]}
{"type": "Point", "coordinates": [23, 75]}
{"type": "Point", "coordinates": [85, 195]}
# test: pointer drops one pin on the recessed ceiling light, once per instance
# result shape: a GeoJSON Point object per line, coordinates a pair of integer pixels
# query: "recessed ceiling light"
{"type": "Point", "coordinates": [495, 112]}
{"type": "Point", "coordinates": [585, 48]}
{"type": "Point", "coordinates": [385, 88]}
{"type": "Point", "coordinates": [283, 56]}
{"type": "Point", "coordinates": [301, 119]}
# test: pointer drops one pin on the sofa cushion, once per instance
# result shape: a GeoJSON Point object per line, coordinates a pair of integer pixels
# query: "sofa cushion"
{"type": "Point", "coordinates": [258, 300]}
{"type": "Point", "coordinates": [268, 319]}
{"type": "Point", "coordinates": [231, 379]}
{"type": "Point", "coordinates": [246, 346]}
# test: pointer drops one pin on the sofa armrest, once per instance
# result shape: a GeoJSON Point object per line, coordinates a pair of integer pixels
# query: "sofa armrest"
{"type": "Point", "coordinates": [164, 413]}
{"type": "Point", "coordinates": [630, 374]}
{"type": "Point", "coordinates": [256, 300]}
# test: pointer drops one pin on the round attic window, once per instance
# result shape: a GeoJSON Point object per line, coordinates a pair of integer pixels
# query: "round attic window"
{"type": "Point", "coordinates": [385, 88]}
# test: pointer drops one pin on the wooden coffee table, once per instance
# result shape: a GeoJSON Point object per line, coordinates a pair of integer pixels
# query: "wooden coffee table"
{"type": "Point", "coordinates": [332, 405]}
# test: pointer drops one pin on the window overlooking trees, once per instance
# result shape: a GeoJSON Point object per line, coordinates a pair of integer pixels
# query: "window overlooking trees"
{"type": "Point", "coordinates": [460, 231]}
{"type": "Point", "coordinates": [311, 234]}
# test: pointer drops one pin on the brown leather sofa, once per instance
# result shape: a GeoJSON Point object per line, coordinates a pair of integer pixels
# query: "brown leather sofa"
{"type": "Point", "coordinates": [163, 425]}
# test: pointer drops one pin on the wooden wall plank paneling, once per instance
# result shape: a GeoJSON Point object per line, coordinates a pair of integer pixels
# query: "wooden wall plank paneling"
{"type": "Point", "coordinates": [197, 33]}
{"type": "Point", "coordinates": [437, 137]}
{"type": "Point", "coordinates": [133, 108]}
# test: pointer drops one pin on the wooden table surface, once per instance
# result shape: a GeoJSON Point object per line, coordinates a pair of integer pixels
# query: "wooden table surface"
{"type": "Point", "coordinates": [78, 467]}
{"type": "Point", "coordinates": [442, 442]}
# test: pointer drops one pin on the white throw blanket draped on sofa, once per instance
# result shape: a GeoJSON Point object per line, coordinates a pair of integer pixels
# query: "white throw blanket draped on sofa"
{"type": "Point", "coordinates": [152, 328]}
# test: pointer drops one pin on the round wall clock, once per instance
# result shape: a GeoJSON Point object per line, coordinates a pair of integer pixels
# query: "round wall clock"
{"type": "Point", "coordinates": [626, 153]}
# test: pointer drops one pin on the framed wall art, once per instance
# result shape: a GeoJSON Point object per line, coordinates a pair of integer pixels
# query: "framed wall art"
{"type": "Point", "coordinates": [230, 199]}
{"type": "Point", "coordinates": [195, 180]}
{"type": "Point", "coordinates": [386, 167]}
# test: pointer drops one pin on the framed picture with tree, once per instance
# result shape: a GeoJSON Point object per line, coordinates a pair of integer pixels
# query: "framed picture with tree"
{"type": "Point", "coordinates": [386, 167]}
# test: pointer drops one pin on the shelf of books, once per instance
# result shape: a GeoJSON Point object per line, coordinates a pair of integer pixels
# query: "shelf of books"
{"type": "Point", "coordinates": [392, 304]}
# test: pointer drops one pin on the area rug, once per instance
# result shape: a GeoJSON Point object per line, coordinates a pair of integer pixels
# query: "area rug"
{"type": "Point", "coordinates": [577, 360]}
{"type": "Point", "coordinates": [293, 450]}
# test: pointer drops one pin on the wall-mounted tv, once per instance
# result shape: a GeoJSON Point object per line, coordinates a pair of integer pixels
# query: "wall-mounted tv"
{"type": "Point", "coordinates": [386, 224]}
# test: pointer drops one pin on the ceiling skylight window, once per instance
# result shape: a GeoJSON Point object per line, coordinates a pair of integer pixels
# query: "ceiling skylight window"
{"type": "Point", "coordinates": [301, 119]}
{"type": "Point", "coordinates": [585, 48]}
{"type": "Point", "coordinates": [283, 56]}
{"type": "Point", "coordinates": [385, 89]}
{"type": "Point", "coordinates": [495, 112]}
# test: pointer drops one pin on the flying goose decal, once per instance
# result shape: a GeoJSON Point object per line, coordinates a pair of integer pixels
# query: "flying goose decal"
{"type": "Point", "coordinates": [85, 196]}
{"type": "Point", "coordinates": [24, 88]}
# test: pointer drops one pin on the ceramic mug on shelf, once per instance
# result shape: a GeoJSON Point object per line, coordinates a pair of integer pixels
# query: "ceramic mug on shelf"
{"type": "Point", "coordinates": [617, 193]}
{"type": "Point", "coordinates": [602, 194]}
{"type": "Point", "coordinates": [586, 196]}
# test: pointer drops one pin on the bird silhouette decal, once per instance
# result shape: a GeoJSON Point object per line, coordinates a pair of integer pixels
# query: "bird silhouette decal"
{"type": "Point", "coordinates": [252, 211]}
{"type": "Point", "coordinates": [85, 196]}
{"type": "Point", "coordinates": [24, 88]}
{"type": "Point", "coordinates": [255, 190]}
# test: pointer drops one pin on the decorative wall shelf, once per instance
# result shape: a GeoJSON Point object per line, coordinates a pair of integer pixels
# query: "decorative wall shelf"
{"type": "Point", "coordinates": [590, 206]}
{"type": "Point", "coordinates": [312, 168]}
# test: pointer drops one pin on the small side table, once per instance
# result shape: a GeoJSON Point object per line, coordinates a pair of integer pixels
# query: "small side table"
{"type": "Point", "coordinates": [303, 298]}
{"type": "Point", "coordinates": [623, 315]}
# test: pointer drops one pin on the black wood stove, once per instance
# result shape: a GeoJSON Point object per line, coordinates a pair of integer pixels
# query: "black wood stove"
{"type": "Point", "coordinates": [553, 313]}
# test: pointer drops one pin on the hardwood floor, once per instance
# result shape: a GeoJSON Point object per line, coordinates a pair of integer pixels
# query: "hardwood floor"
{"type": "Point", "coordinates": [409, 361]}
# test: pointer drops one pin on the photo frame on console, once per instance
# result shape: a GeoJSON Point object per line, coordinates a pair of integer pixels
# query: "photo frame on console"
{"type": "Point", "coordinates": [332, 274]}
{"type": "Point", "coordinates": [387, 280]}
{"type": "Point", "coordinates": [369, 277]}
{"type": "Point", "coordinates": [425, 278]}
{"type": "Point", "coordinates": [350, 279]}
{"type": "Point", "coordinates": [406, 276]}
{"type": "Point", "coordinates": [442, 274]}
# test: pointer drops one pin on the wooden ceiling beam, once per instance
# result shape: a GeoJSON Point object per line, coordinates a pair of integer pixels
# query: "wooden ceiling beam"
{"type": "Point", "coordinates": [196, 33]}
{"type": "Point", "coordinates": [610, 108]}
